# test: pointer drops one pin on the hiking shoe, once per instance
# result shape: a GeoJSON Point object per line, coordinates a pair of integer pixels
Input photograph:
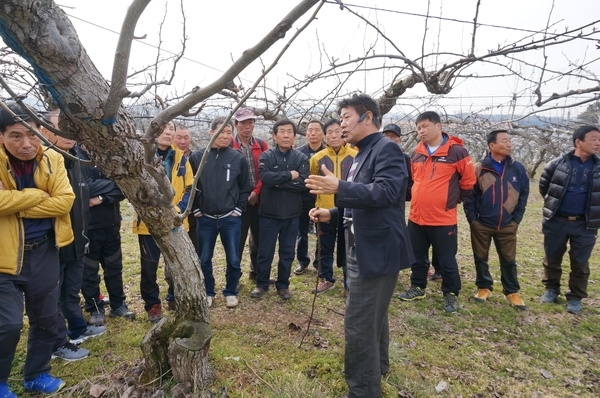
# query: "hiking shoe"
{"type": "Point", "coordinates": [450, 302]}
{"type": "Point", "coordinates": [284, 293]}
{"type": "Point", "coordinates": [483, 294]}
{"type": "Point", "coordinates": [300, 269]}
{"type": "Point", "coordinates": [232, 301]}
{"type": "Point", "coordinates": [70, 352]}
{"type": "Point", "coordinates": [436, 276]}
{"type": "Point", "coordinates": [44, 383]}
{"type": "Point", "coordinates": [90, 331]}
{"type": "Point", "coordinates": [414, 293]}
{"type": "Point", "coordinates": [258, 292]}
{"type": "Point", "coordinates": [323, 286]}
{"type": "Point", "coordinates": [209, 301]}
{"type": "Point", "coordinates": [155, 313]}
{"type": "Point", "coordinates": [5, 391]}
{"type": "Point", "coordinates": [574, 306]}
{"type": "Point", "coordinates": [122, 311]}
{"type": "Point", "coordinates": [515, 300]}
{"type": "Point", "coordinates": [97, 318]}
{"type": "Point", "coordinates": [549, 296]}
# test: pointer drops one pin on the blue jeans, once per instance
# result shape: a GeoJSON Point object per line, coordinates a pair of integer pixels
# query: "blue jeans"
{"type": "Point", "coordinates": [270, 230]}
{"type": "Point", "coordinates": [229, 228]}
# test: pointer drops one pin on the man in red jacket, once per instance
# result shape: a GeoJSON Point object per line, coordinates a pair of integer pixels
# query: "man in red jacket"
{"type": "Point", "coordinates": [251, 147]}
{"type": "Point", "coordinates": [443, 176]}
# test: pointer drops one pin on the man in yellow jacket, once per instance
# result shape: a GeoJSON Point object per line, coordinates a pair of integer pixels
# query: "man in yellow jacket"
{"type": "Point", "coordinates": [180, 174]}
{"type": "Point", "coordinates": [35, 199]}
{"type": "Point", "coordinates": [338, 158]}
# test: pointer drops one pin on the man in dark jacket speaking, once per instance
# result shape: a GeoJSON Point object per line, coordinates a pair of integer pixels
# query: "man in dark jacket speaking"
{"type": "Point", "coordinates": [570, 186]}
{"type": "Point", "coordinates": [282, 171]}
{"type": "Point", "coordinates": [377, 243]}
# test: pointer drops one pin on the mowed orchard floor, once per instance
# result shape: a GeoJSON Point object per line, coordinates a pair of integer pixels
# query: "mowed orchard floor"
{"type": "Point", "coordinates": [262, 348]}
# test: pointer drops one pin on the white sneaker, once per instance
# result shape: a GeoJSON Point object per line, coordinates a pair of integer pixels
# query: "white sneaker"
{"type": "Point", "coordinates": [209, 300]}
{"type": "Point", "coordinates": [232, 301]}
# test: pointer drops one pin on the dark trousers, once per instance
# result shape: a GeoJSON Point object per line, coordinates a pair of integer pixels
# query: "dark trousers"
{"type": "Point", "coordinates": [192, 231]}
{"type": "Point", "coordinates": [558, 231]}
{"type": "Point", "coordinates": [505, 240]}
{"type": "Point", "coordinates": [149, 258]}
{"type": "Point", "coordinates": [38, 281]}
{"type": "Point", "coordinates": [326, 237]}
{"type": "Point", "coordinates": [105, 251]}
{"type": "Point", "coordinates": [444, 241]}
{"type": "Point", "coordinates": [302, 238]}
{"type": "Point", "coordinates": [366, 330]}
{"type": "Point", "coordinates": [229, 229]}
{"type": "Point", "coordinates": [71, 273]}
{"type": "Point", "coordinates": [250, 222]}
{"type": "Point", "coordinates": [271, 229]}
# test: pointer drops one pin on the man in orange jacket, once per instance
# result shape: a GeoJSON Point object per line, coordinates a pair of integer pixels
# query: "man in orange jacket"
{"type": "Point", "coordinates": [443, 176]}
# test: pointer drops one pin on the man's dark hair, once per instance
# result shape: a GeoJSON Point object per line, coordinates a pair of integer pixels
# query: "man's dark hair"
{"type": "Point", "coordinates": [6, 119]}
{"type": "Point", "coordinates": [580, 133]}
{"type": "Point", "coordinates": [284, 122]}
{"type": "Point", "coordinates": [362, 104]}
{"type": "Point", "coordinates": [432, 116]}
{"type": "Point", "coordinates": [316, 121]}
{"type": "Point", "coordinates": [493, 136]}
{"type": "Point", "coordinates": [218, 121]}
{"type": "Point", "coordinates": [329, 123]}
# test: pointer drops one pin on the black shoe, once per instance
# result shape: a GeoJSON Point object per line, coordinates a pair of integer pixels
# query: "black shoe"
{"type": "Point", "coordinates": [284, 293]}
{"type": "Point", "coordinates": [300, 269]}
{"type": "Point", "coordinates": [258, 292]}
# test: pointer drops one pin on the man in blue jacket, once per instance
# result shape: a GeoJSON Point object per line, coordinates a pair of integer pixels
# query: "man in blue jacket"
{"type": "Point", "coordinates": [377, 242]}
{"type": "Point", "coordinates": [494, 210]}
{"type": "Point", "coordinates": [282, 171]}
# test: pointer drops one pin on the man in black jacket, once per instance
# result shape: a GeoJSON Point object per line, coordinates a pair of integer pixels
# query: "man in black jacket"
{"type": "Point", "coordinates": [282, 170]}
{"type": "Point", "coordinates": [221, 197]}
{"type": "Point", "coordinates": [570, 186]}
{"type": "Point", "coordinates": [104, 232]}
{"type": "Point", "coordinates": [377, 242]}
{"type": "Point", "coordinates": [71, 257]}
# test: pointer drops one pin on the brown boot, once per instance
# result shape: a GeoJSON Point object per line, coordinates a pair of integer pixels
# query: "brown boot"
{"type": "Point", "coordinates": [482, 295]}
{"type": "Point", "coordinates": [515, 300]}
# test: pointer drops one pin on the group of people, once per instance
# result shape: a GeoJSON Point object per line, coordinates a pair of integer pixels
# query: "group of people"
{"type": "Point", "coordinates": [61, 221]}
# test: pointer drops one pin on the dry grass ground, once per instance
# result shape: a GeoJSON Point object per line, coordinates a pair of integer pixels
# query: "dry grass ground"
{"type": "Point", "coordinates": [485, 350]}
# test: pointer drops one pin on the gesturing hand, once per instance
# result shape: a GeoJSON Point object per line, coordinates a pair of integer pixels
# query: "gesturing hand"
{"type": "Point", "coordinates": [328, 183]}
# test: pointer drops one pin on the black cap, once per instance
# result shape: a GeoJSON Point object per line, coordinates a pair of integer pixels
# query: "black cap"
{"type": "Point", "coordinates": [394, 128]}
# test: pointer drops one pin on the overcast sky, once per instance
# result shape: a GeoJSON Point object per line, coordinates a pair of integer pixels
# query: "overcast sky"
{"type": "Point", "coordinates": [219, 31]}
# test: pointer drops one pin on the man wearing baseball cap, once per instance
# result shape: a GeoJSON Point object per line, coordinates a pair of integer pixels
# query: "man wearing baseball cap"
{"type": "Point", "coordinates": [251, 147]}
